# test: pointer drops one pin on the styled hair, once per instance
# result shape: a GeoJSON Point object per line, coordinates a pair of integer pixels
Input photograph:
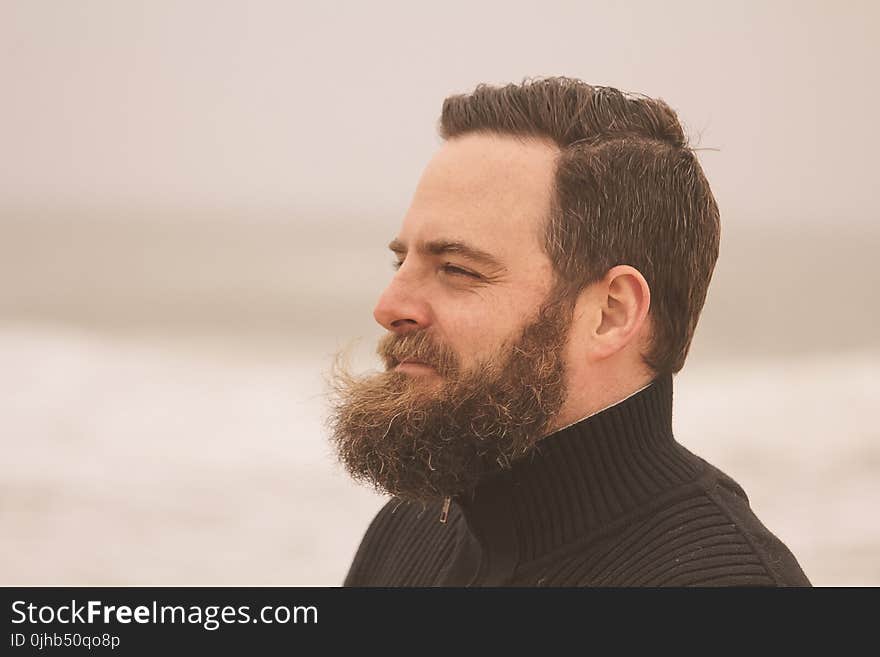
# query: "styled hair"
{"type": "Point", "coordinates": [628, 190]}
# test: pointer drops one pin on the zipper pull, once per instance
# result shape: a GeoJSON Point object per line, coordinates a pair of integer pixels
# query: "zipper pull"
{"type": "Point", "coordinates": [444, 513]}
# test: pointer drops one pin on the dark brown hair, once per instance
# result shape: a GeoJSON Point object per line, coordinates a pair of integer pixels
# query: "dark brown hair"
{"type": "Point", "coordinates": [628, 190]}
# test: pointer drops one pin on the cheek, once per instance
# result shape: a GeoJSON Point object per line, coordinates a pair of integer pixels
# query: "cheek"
{"type": "Point", "coordinates": [477, 336]}
{"type": "Point", "coordinates": [577, 346]}
{"type": "Point", "coordinates": [477, 323]}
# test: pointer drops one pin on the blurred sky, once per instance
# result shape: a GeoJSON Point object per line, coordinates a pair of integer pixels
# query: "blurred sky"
{"type": "Point", "coordinates": [305, 111]}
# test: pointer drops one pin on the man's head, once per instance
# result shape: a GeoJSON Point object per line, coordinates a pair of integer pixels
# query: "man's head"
{"type": "Point", "coordinates": [555, 256]}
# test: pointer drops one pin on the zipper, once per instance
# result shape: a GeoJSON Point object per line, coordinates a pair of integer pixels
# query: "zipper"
{"type": "Point", "coordinates": [444, 512]}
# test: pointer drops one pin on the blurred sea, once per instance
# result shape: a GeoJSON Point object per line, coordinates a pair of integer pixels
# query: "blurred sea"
{"type": "Point", "coordinates": [162, 397]}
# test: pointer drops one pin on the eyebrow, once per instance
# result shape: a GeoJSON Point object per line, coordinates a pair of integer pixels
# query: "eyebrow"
{"type": "Point", "coordinates": [442, 246]}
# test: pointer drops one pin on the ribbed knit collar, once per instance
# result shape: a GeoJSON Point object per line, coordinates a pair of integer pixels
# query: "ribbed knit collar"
{"type": "Point", "coordinates": [580, 478]}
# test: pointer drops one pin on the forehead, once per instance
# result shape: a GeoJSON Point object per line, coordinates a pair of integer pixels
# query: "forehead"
{"type": "Point", "coordinates": [492, 192]}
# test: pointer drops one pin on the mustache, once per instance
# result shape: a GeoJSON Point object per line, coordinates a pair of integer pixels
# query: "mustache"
{"type": "Point", "coordinates": [418, 345]}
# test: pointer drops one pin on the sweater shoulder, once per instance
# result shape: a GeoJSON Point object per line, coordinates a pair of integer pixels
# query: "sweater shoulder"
{"type": "Point", "coordinates": [780, 562]}
{"type": "Point", "coordinates": [705, 535]}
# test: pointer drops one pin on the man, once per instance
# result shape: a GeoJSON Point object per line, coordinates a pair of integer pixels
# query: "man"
{"type": "Point", "coordinates": [550, 273]}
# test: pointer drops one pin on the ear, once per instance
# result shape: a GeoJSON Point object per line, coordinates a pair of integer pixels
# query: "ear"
{"type": "Point", "coordinates": [624, 299]}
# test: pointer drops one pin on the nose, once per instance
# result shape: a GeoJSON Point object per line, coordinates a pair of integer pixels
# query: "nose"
{"type": "Point", "coordinates": [402, 308]}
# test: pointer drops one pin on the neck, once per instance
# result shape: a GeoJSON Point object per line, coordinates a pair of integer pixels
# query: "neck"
{"type": "Point", "coordinates": [592, 393]}
{"type": "Point", "coordinates": [604, 408]}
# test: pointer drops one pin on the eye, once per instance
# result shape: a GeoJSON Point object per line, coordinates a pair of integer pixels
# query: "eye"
{"type": "Point", "coordinates": [447, 268]}
{"type": "Point", "coordinates": [458, 271]}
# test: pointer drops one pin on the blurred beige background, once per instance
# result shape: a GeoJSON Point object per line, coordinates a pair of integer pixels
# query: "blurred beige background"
{"type": "Point", "coordinates": [195, 199]}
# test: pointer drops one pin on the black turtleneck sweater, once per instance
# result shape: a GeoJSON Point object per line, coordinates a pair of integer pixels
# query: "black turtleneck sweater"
{"type": "Point", "coordinates": [612, 500]}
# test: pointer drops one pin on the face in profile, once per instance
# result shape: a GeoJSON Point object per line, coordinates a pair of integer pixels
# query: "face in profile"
{"type": "Point", "coordinates": [474, 366]}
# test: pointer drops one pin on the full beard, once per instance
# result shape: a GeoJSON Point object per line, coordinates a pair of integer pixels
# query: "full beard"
{"type": "Point", "coordinates": [426, 438]}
